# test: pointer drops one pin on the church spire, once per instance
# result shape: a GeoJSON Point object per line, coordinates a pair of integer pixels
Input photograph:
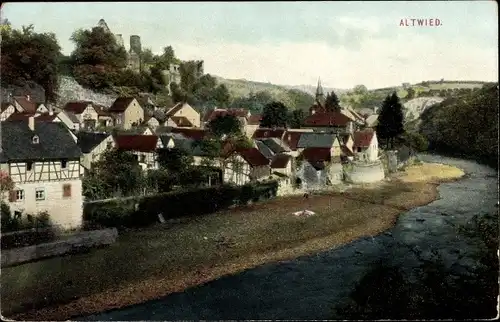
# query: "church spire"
{"type": "Point", "coordinates": [320, 97]}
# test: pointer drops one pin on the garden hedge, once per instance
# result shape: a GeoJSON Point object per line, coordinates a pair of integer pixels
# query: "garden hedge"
{"type": "Point", "coordinates": [143, 211]}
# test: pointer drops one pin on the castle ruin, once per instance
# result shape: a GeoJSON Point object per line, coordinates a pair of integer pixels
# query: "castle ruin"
{"type": "Point", "coordinates": [134, 58]}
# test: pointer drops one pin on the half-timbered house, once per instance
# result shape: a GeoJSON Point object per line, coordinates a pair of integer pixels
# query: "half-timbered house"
{"type": "Point", "coordinates": [142, 146]}
{"type": "Point", "coordinates": [43, 160]}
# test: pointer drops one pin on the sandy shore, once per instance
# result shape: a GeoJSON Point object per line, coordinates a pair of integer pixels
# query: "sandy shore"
{"type": "Point", "coordinates": [343, 215]}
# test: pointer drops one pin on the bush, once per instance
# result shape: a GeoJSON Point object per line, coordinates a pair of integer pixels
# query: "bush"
{"type": "Point", "coordinates": [137, 212]}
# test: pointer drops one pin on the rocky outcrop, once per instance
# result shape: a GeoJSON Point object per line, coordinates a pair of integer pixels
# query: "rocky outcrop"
{"type": "Point", "coordinates": [415, 107]}
{"type": "Point", "coordinates": [70, 90]}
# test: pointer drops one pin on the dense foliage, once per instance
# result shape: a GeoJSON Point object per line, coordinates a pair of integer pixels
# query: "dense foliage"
{"type": "Point", "coordinates": [275, 114]}
{"type": "Point", "coordinates": [466, 124]}
{"type": "Point", "coordinates": [30, 56]}
{"type": "Point", "coordinates": [332, 102]}
{"type": "Point", "coordinates": [390, 124]}
{"type": "Point", "coordinates": [175, 204]}
{"type": "Point", "coordinates": [225, 125]}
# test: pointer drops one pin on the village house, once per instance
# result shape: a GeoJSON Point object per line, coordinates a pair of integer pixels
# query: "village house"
{"type": "Point", "coordinates": [43, 161]}
{"type": "Point", "coordinates": [24, 104]}
{"type": "Point", "coordinates": [246, 165]}
{"type": "Point", "coordinates": [93, 146]}
{"type": "Point", "coordinates": [253, 123]}
{"type": "Point", "coordinates": [185, 110]}
{"type": "Point", "coordinates": [7, 109]}
{"type": "Point", "coordinates": [320, 140]}
{"type": "Point", "coordinates": [178, 121]}
{"type": "Point", "coordinates": [127, 112]}
{"type": "Point", "coordinates": [70, 120]}
{"type": "Point", "coordinates": [154, 119]}
{"type": "Point", "coordinates": [330, 122]}
{"type": "Point", "coordinates": [85, 112]}
{"type": "Point", "coordinates": [264, 133]}
{"type": "Point", "coordinates": [142, 146]}
{"type": "Point", "coordinates": [366, 145]}
{"type": "Point", "coordinates": [318, 167]}
{"type": "Point", "coordinates": [104, 118]}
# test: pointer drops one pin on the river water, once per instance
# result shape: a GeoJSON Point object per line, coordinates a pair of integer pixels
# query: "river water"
{"type": "Point", "coordinates": [310, 287]}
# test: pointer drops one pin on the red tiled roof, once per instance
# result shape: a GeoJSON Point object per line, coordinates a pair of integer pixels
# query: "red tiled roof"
{"type": "Point", "coordinates": [195, 134]}
{"type": "Point", "coordinates": [238, 112]}
{"type": "Point", "coordinates": [362, 139]}
{"type": "Point", "coordinates": [254, 119]}
{"type": "Point", "coordinates": [136, 142]}
{"type": "Point", "coordinates": [19, 116]}
{"type": "Point", "coordinates": [327, 119]}
{"type": "Point", "coordinates": [316, 154]}
{"type": "Point", "coordinates": [120, 104]}
{"type": "Point", "coordinates": [263, 133]}
{"type": "Point", "coordinates": [77, 107]}
{"type": "Point", "coordinates": [291, 138]}
{"type": "Point", "coordinates": [280, 161]}
{"type": "Point", "coordinates": [101, 110]}
{"type": "Point", "coordinates": [27, 105]}
{"type": "Point", "coordinates": [181, 121]}
{"type": "Point", "coordinates": [253, 157]}
{"type": "Point", "coordinates": [46, 117]}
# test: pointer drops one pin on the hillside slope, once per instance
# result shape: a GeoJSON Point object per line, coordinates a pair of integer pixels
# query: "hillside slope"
{"type": "Point", "coordinates": [293, 98]}
{"type": "Point", "coordinates": [70, 90]}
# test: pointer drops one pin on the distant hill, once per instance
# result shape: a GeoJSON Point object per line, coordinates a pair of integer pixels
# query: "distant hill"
{"type": "Point", "coordinates": [311, 89]}
{"type": "Point", "coordinates": [291, 97]}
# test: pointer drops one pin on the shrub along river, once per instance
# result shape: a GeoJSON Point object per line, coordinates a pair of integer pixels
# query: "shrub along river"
{"type": "Point", "coordinates": [313, 287]}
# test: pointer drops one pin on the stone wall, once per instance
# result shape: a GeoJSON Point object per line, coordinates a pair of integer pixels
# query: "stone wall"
{"type": "Point", "coordinates": [364, 173]}
{"type": "Point", "coordinates": [74, 243]}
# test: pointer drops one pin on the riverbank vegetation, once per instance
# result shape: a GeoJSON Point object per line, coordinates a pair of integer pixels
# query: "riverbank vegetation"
{"type": "Point", "coordinates": [465, 125]}
{"type": "Point", "coordinates": [214, 245]}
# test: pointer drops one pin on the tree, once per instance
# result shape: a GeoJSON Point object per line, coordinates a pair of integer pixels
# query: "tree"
{"type": "Point", "coordinates": [227, 125]}
{"type": "Point", "coordinates": [175, 160]}
{"type": "Point", "coordinates": [6, 183]}
{"type": "Point", "coordinates": [410, 93]}
{"type": "Point", "coordinates": [147, 56]}
{"type": "Point", "coordinates": [120, 172]}
{"type": "Point", "coordinates": [97, 58]}
{"type": "Point", "coordinates": [275, 114]}
{"type": "Point", "coordinates": [297, 118]}
{"type": "Point", "coordinates": [390, 120]}
{"type": "Point", "coordinates": [360, 89]}
{"type": "Point", "coordinates": [30, 56]}
{"type": "Point", "coordinates": [332, 102]}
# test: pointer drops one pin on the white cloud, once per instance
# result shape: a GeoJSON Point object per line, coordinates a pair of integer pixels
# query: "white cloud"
{"type": "Point", "coordinates": [377, 63]}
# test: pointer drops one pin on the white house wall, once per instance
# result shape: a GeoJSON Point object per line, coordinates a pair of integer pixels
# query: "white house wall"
{"type": "Point", "coordinates": [7, 113]}
{"type": "Point", "coordinates": [64, 211]}
{"type": "Point", "coordinates": [96, 153]}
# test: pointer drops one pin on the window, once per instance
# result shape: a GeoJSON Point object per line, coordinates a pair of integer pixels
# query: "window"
{"type": "Point", "coordinates": [143, 158]}
{"type": "Point", "coordinates": [64, 164]}
{"type": "Point", "coordinates": [29, 166]}
{"type": "Point", "coordinates": [16, 195]}
{"type": "Point", "coordinates": [109, 145]}
{"type": "Point", "coordinates": [40, 194]}
{"type": "Point", "coordinates": [66, 190]}
{"type": "Point", "coordinates": [36, 139]}
{"type": "Point", "coordinates": [359, 149]}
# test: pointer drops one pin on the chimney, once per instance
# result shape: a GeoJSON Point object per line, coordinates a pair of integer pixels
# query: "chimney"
{"type": "Point", "coordinates": [31, 123]}
{"type": "Point", "coordinates": [51, 110]}
{"type": "Point", "coordinates": [28, 97]}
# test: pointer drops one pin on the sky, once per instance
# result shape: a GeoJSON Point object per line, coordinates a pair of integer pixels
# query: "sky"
{"type": "Point", "coordinates": [294, 43]}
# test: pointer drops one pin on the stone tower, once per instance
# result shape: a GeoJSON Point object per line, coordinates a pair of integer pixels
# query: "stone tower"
{"type": "Point", "coordinates": [119, 40]}
{"type": "Point", "coordinates": [134, 54]}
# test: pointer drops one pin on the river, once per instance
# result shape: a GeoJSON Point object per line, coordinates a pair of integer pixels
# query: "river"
{"type": "Point", "coordinates": [309, 287]}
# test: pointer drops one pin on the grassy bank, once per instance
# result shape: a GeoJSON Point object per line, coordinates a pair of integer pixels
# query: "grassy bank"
{"type": "Point", "coordinates": [152, 262]}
